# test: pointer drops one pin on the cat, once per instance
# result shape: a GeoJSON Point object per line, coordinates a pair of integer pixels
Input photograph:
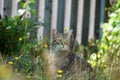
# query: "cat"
{"type": "Point", "coordinates": [63, 58]}
{"type": "Point", "coordinates": [60, 56]}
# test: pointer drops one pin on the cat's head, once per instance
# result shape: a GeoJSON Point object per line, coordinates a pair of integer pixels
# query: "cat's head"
{"type": "Point", "coordinates": [61, 41]}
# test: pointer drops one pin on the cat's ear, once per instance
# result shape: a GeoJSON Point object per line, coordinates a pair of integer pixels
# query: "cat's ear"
{"type": "Point", "coordinates": [69, 34]}
{"type": "Point", "coordinates": [54, 32]}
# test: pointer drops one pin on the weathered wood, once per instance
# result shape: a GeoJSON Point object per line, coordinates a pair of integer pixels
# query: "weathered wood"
{"type": "Point", "coordinates": [86, 22]}
{"type": "Point", "coordinates": [67, 16]}
{"type": "Point", "coordinates": [1, 7]}
{"type": "Point", "coordinates": [41, 12]}
{"type": "Point", "coordinates": [91, 34]}
{"type": "Point", "coordinates": [79, 21]}
{"type": "Point", "coordinates": [60, 19]}
{"type": "Point", "coordinates": [14, 7]}
{"type": "Point", "coordinates": [48, 8]}
{"type": "Point", "coordinates": [7, 8]}
{"type": "Point", "coordinates": [74, 11]}
{"type": "Point", "coordinates": [102, 9]}
{"type": "Point", "coordinates": [97, 20]}
{"type": "Point", "coordinates": [54, 14]}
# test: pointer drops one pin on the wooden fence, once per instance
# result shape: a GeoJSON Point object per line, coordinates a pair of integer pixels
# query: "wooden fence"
{"type": "Point", "coordinates": [83, 16]}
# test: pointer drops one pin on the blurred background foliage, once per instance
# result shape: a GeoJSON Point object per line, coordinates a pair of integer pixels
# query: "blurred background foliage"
{"type": "Point", "coordinates": [15, 34]}
{"type": "Point", "coordinates": [107, 58]}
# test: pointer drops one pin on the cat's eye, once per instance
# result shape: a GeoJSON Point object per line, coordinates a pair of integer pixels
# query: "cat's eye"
{"type": "Point", "coordinates": [54, 40]}
{"type": "Point", "coordinates": [67, 43]}
{"type": "Point", "coordinates": [57, 42]}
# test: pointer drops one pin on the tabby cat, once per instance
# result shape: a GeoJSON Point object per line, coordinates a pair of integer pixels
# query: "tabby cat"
{"type": "Point", "coordinates": [62, 58]}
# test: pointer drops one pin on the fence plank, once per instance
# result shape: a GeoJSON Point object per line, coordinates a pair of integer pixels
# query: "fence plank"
{"type": "Point", "coordinates": [79, 21]}
{"type": "Point", "coordinates": [98, 31]}
{"type": "Point", "coordinates": [48, 7]}
{"type": "Point", "coordinates": [41, 12]}
{"type": "Point", "coordinates": [1, 7]}
{"type": "Point", "coordinates": [102, 9]}
{"type": "Point", "coordinates": [14, 7]}
{"type": "Point", "coordinates": [92, 20]}
{"type": "Point", "coordinates": [7, 8]}
{"type": "Point", "coordinates": [60, 19]}
{"type": "Point", "coordinates": [54, 14]}
{"type": "Point", "coordinates": [74, 11]}
{"type": "Point", "coordinates": [67, 14]}
{"type": "Point", "coordinates": [86, 22]}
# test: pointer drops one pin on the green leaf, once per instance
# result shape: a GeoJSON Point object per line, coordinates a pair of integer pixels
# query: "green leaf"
{"type": "Point", "coordinates": [31, 5]}
{"type": "Point", "coordinates": [32, 11]}
{"type": "Point", "coordinates": [24, 5]}
{"type": "Point", "coordinates": [32, 1]}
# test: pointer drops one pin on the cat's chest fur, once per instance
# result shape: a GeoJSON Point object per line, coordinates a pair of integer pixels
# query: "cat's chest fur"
{"type": "Point", "coordinates": [70, 62]}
